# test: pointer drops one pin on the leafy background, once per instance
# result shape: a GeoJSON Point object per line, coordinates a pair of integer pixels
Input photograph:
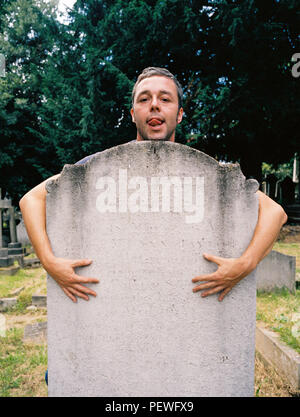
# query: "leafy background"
{"type": "Point", "coordinates": [66, 93]}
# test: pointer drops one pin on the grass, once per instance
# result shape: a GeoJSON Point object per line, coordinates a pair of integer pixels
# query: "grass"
{"type": "Point", "coordinates": [280, 312]}
{"type": "Point", "coordinates": [22, 366]}
{"type": "Point", "coordinates": [268, 383]}
{"type": "Point", "coordinates": [32, 280]}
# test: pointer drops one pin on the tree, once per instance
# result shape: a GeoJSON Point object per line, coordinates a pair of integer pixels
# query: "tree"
{"type": "Point", "coordinates": [232, 57]}
{"type": "Point", "coordinates": [104, 47]}
{"type": "Point", "coordinates": [28, 27]}
{"type": "Point", "coordinates": [247, 109]}
{"type": "Point", "coordinates": [68, 87]}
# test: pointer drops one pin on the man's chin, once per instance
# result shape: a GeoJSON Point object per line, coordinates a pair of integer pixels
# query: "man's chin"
{"type": "Point", "coordinates": [154, 136]}
{"type": "Point", "coordinates": [158, 138]}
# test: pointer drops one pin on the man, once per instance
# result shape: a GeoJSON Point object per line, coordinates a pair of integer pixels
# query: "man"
{"type": "Point", "coordinates": [156, 111]}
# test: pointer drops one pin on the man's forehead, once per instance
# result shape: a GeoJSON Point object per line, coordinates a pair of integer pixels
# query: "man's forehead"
{"type": "Point", "coordinates": [157, 84]}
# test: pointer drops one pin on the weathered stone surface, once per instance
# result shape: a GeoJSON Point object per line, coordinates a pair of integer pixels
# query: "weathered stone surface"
{"type": "Point", "coordinates": [2, 325]}
{"type": "Point", "coordinates": [39, 300]}
{"type": "Point", "coordinates": [5, 262]}
{"type": "Point", "coordinates": [5, 203]}
{"type": "Point", "coordinates": [3, 252]}
{"type": "Point", "coordinates": [6, 303]}
{"type": "Point", "coordinates": [10, 270]}
{"type": "Point", "coordinates": [14, 245]}
{"type": "Point", "coordinates": [16, 292]}
{"type": "Point", "coordinates": [22, 233]}
{"type": "Point", "coordinates": [35, 331]}
{"type": "Point", "coordinates": [32, 263]}
{"type": "Point", "coordinates": [276, 271]}
{"type": "Point", "coordinates": [285, 360]}
{"type": "Point", "coordinates": [12, 251]}
{"type": "Point", "coordinates": [29, 262]}
{"type": "Point", "coordinates": [147, 333]}
{"type": "Point", "coordinates": [31, 308]}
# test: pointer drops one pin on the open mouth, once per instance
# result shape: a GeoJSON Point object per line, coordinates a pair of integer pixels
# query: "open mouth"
{"type": "Point", "coordinates": [155, 122]}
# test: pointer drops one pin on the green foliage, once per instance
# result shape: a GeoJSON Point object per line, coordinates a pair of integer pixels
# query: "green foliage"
{"type": "Point", "coordinates": [18, 362]}
{"type": "Point", "coordinates": [281, 171]}
{"type": "Point", "coordinates": [276, 309]}
{"type": "Point", "coordinates": [252, 116]}
{"type": "Point", "coordinates": [68, 86]}
{"type": "Point", "coordinates": [24, 300]}
{"type": "Point", "coordinates": [28, 30]}
{"type": "Point", "coordinates": [9, 362]}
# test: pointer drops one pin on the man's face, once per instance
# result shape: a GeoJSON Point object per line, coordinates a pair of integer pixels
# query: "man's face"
{"type": "Point", "coordinates": [155, 109]}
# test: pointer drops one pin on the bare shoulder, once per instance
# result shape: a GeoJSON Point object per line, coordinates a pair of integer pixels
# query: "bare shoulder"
{"type": "Point", "coordinates": [268, 205]}
{"type": "Point", "coordinates": [39, 191]}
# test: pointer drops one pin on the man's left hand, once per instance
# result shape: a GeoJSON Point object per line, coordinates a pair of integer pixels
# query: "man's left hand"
{"type": "Point", "coordinates": [230, 271]}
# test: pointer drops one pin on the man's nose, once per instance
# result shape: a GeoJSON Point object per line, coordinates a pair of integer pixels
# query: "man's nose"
{"type": "Point", "coordinates": [154, 103]}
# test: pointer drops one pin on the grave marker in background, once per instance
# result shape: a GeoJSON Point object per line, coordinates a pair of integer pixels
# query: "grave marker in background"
{"type": "Point", "coordinates": [276, 271]}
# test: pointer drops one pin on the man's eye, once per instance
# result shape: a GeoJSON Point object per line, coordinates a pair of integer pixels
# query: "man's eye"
{"type": "Point", "coordinates": [143, 99]}
{"type": "Point", "coordinates": [165, 99]}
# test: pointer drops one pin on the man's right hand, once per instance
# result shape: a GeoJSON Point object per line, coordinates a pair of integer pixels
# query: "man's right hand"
{"type": "Point", "coordinates": [33, 207]}
{"type": "Point", "coordinates": [63, 271]}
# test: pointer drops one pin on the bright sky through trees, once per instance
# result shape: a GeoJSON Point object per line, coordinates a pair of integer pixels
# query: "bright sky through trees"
{"type": "Point", "coordinates": [64, 4]}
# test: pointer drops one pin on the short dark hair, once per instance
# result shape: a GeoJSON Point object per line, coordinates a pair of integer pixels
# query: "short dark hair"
{"type": "Point", "coordinates": [162, 72]}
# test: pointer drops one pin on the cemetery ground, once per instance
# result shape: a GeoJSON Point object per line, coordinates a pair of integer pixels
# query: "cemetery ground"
{"type": "Point", "coordinates": [23, 363]}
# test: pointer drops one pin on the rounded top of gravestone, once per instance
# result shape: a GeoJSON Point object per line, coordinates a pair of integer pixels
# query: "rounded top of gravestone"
{"type": "Point", "coordinates": [139, 153]}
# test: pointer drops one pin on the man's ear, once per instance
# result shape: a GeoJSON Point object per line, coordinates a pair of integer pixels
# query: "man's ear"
{"type": "Point", "coordinates": [180, 115]}
{"type": "Point", "coordinates": [132, 115]}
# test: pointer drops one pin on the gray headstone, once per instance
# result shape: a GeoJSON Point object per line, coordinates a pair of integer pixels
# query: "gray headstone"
{"type": "Point", "coordinates": [39, 300]}
{"type": "Point", "coordinates": [146, 333]}
{"type": "Point", "coordinates": [31, 263]}
{"type": "Point", "coordinates": [6, 303]}
{"type": "Point", "coordinates": [35, 331]}
{"type": "Point", "coordinates": [15, 249]}
{"type": "Point", "coordinates": [22, 234]}
{"type": "Point", "coordinates": [5, 203]}
{"type": "Point", "coordinates": [6, 262]}
{"type": "Point", "coordinates": [276, 271]}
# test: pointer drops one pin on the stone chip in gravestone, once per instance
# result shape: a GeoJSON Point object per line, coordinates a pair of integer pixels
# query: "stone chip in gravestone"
{"type": "Point", "coordinates": [146, 333]}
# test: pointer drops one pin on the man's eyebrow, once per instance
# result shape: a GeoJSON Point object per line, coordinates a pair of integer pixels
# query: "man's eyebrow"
{"type": "Point", "coordinates": [166, 92]}
{"type": "Point", "coordinates": [143, 92]}
{"type": "Point", "coordinates": [160, 92]}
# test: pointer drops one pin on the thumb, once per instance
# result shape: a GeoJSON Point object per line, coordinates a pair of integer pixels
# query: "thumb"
{"type": "Point", "coordinates": [81, 262]}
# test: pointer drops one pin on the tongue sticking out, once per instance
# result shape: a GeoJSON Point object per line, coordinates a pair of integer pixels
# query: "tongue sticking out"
{"type": "Point", "coordinates": [155, 122]}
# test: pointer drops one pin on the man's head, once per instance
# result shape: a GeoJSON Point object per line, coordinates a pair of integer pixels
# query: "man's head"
{"type": "Point", "coordinates": [156, 104]}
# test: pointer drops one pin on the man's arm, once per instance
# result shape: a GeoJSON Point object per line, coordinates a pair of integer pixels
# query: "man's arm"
{"type": "Point", "coordinates": [33, 208]}
{"type": "Point", "coordinates": [271, 217]}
